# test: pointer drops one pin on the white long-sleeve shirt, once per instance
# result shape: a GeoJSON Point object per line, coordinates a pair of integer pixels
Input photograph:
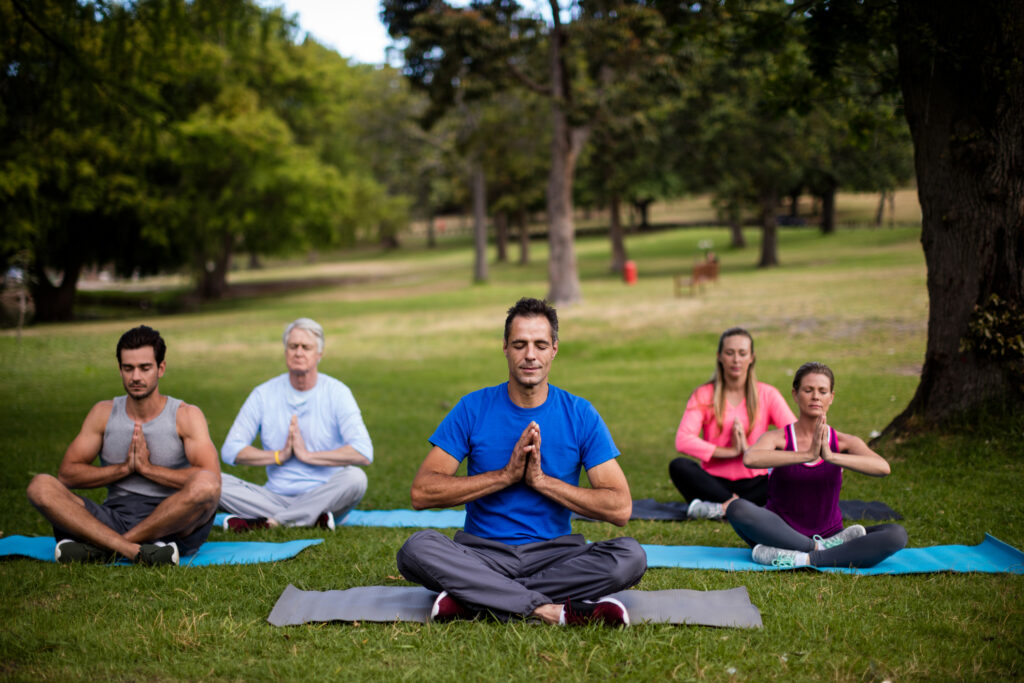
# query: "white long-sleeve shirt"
{"type": "Point", "coordinates": [329, 418]}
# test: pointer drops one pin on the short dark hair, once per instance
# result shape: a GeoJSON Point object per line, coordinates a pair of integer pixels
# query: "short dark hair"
{"type": "Point", "coordinates": [814, 368]}
{"type": "Point", "coordinates": [140, 336]}
{"type": "Point", "coordinates": [528, 308]}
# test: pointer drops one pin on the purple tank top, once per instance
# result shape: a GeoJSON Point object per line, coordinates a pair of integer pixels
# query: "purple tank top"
{"type": "Point", "coordinates": [807, 496]}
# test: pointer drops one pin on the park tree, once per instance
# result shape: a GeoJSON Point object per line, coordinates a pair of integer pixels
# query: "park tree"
{"type": "Point", "coordinates": [961, 77]}
{"type": "Point", "coordinates": [74, 127]}
{"type": "Point", "coordinates": [751, 86]}
{"type": "Point", "coordinates": [500, 44]}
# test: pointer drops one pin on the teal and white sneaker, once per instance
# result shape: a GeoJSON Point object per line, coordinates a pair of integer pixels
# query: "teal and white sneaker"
{"type": "Point", "coordinates": [776, 557]}
{"type": "Point", "coordinates": [847, 534]}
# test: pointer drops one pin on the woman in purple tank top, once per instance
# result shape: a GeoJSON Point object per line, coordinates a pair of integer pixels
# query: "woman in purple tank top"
{"type": "Point", "coordinates": [801, 524]}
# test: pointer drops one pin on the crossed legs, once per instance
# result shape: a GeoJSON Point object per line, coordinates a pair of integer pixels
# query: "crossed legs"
{"type": "Point", "coordinates": [534, 578]}
{"type": "Point", "coordinates": [180, 514]}
{"type": "Point", "coordinates": [337, 495]}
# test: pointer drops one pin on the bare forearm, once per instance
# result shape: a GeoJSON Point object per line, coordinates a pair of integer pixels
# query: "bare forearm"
{"type": "Point", "coordinates": [606, 504]}
{"type": "Point", "coordinates": [762, 459]}
{"type": "Point", "coordinates": [871, 465]}
{"type": "Point", "coordinates": [437, 490]}
{"type": "Point", "coordinates": [79, 476]}
{"type": "Point", "coordinates": [346, 455]}
{"type": "Point", "coordinates": [168, 477]}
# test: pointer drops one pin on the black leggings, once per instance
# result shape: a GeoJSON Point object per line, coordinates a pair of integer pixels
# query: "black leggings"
{"type": "Point", "coordinates": [759, 525]}
{"type": "Point", "coordinates": [693, 482]}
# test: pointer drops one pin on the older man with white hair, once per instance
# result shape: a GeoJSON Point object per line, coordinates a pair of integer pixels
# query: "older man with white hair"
{"type": "Point", "coordinates": [314, 444]}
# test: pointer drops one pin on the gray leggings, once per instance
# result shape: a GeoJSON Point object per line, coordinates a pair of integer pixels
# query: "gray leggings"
{"type": "Point", "coordinates": [759, 525]}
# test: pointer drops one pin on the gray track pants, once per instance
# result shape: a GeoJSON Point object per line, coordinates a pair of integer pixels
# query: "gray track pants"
{"type": "Point", "coordinates": [339, 494]}
{"type": "Point", "coordinates": [759, 525]}
{"type": "Point", "coordinates": [515, 579]}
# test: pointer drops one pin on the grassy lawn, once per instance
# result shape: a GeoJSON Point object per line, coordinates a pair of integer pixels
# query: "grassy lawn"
{"type": "Point", "coordinates": [409, 334]}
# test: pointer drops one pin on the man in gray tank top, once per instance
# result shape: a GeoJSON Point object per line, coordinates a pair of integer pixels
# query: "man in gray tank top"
{"type": "Point", "coordinates": [156, 459]}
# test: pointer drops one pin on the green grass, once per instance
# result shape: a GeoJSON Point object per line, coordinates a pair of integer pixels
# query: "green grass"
{"type": "Point", "coordinates": [412, 339]}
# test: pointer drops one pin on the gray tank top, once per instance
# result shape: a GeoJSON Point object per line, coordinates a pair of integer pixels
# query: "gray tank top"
{"type": "Point", "coordinates": [165, 447]}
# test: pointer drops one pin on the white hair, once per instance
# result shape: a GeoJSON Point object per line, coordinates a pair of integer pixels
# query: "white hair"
{"type": "Point", "coordinates": [308, 325]}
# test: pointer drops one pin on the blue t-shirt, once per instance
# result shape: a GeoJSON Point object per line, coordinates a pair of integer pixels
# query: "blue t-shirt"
{"type": "Point", "coordinates": [485, 426]}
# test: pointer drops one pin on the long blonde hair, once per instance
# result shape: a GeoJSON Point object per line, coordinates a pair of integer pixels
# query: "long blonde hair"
{"type": "Point", "coordinates": [718, 402]}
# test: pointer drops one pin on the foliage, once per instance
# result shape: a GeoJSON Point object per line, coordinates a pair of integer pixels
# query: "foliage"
{"type": "Point", "coordinates": [165, 133]}
{"type": "Point", "coordinates": [997, 330]}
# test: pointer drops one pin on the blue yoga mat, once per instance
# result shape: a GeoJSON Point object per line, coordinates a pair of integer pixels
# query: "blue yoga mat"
{"type": "Point", "coordinates": [428, 519]}
{"type": "Point", "coordinates": [991, 556]}
{"type": "Point", "coordinates": [643, 508]}
{"type": "Point", "coordinates": [209, 553]}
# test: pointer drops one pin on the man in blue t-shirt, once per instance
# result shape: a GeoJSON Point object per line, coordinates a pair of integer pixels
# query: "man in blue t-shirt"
{"type": "Point", "coordinates": [517, 555]}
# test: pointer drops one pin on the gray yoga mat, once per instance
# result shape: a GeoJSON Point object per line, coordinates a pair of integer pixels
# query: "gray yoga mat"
{"type": "Point", "coordinates": [730, 608]}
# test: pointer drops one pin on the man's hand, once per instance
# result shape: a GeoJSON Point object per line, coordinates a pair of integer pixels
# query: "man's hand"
{"type": "Point", "coordinates": [296, 445]}
{"type": "Point", "coordinates": [138, 452]}
{"type": "Point", "coordinates": [517, 462]}
{"type": "Point", "coordinates": [534, 473]}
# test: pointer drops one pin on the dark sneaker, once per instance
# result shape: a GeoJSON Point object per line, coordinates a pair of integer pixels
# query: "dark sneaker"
{"type": "Point", "coordinates": [607, 611]}
{"type": "Point", "coordinates": [157, 553]}
{"type": "Point", "coordinates": [241, 525]}
{"type": "Point", "coordinates": [68, 551]}
{"type": "Point", "coordinates": [447, 608]}
{"type": "Point", "coordinates": [326, 520]}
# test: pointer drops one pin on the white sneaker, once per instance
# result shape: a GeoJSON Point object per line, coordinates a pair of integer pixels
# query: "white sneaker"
{"type": "Point", "coordinates": [775, 557]}
{"type": "Point", "coordinates": [848, 534]}
{"type": "Point", "coordinates": [700, 509]}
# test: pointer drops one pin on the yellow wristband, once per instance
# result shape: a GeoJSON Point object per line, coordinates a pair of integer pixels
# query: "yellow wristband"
{"type": "Point", "coordinates": [276, 458]}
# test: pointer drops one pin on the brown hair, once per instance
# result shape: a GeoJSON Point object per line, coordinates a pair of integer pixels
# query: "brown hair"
{"type": "Point", "coordinates": [814, 368]}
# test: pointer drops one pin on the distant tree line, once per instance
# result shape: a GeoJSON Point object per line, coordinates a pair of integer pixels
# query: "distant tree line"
{"type": "Point", "coordinates": [161, 134]}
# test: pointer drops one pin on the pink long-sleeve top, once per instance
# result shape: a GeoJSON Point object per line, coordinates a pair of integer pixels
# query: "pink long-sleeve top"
{"type": "Point", "coordinates": [699, 420]}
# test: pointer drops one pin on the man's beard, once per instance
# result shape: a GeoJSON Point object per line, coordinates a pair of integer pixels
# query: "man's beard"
{"type": "Point", "coordinates": [141, 397]}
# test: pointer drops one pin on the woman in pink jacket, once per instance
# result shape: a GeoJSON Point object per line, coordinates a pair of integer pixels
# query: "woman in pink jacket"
{"type": "Point", "coordinates": [722, 417]}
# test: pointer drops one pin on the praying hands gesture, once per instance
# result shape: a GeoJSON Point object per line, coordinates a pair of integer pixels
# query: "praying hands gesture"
{"type": "Point", "coordinates": [739, 438]}
{"type": "Point", "coordinates": [525, 452]}
{"type": "Point", "coordinates": [137, 460]}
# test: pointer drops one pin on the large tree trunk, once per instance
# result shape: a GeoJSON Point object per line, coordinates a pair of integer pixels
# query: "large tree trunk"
{"type": "Point", "coordinates": [769, 230]}
{"type": "Point", "coordinates": [828, 210]}
{"type": "Point", "coordinates": [963, 87]}
{"type": "Point", "coordinates": [566, 143]}
{"type": "Point", "coordinates": [615, 232]}
{"type": "Point", "coordinates": [479, 188]}
{"type": "Point", "coordinates": [501, 236]}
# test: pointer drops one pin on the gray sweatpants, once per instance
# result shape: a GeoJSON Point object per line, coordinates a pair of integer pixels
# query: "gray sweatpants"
{"type": "Point", "coordinates": [759, 525]}
{"type": "Point", "coordinates": [515, 579]}
{"type": "Point", "coordinates": [339, 494]}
